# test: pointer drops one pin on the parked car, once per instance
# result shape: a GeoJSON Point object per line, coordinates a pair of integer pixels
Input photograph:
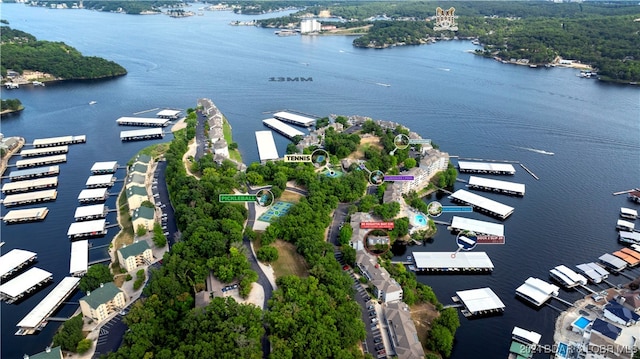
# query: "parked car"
{"type": "Point", "coordinates": [372, 313]}
{"type": "Point", "coordinates": [235, 286]}
{"type": "Point", "coordinates": [370, 307]}
{"type": "Point", "coordinates": [374, 320]}
{"type": "Point", "coordinates": [379, 347]}
{"type": "Point", "coordinates": [377, 340]}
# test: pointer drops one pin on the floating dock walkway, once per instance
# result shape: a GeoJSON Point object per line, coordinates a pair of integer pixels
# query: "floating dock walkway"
{"type": "Point", "coordinates": [59, 141]}
{"type": "Point", "coordinates": [30, 197]}
{"type": "Point", "coordinates": [45, 151]}
{"type": "Point", "coordinates": [529, 171]}
{"type": "Point", "coordinates": [36, 319]}
{"type": "Point", "coordinates": [282, 128]}
{"type": "Point", "coordinates": [41, 161]}
{"type": "Point", "coordinates": [14, 260]}
{"type": "Point", "coordinates": [25, 215]}
{"type": "Point", "coordinates": [34, 173]}
{"type": "Point", "coordinates": [29, 185]}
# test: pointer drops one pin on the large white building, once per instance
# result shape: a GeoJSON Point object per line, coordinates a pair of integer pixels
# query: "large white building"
{"type": "Point", "coordinates": [309, 25]}
{"type": "Point", "coordinates": [385, 288]}
{"type": "Point", "coordinates": [103, 301]}
{"type": "Point", "coordinates": [433, 162]}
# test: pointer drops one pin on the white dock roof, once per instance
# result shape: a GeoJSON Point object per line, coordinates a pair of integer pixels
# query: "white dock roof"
{"type": "Point", "coordinates": [625, 224]}
{"type": "Point", "coordinates": [170, 113]}
{"type": "Point", "coordinates": [497, 184]}
{"type": "Point", "coordinates": [52, 140]}
{"type": "Point", "coordinates": [537, 290]}
{"type": "Point", "coordinates": [143, 121]}
{"type": "Point", "coordinates": [571, 275]}
{"type": "Point", "coordinates": [266, 146]}
{"type": "Point", "coordinates": [25, 281]}
{"type": "Point", "coordinates": [482, 202]}
{"type": "Point", "coordinates": [93, 210]}
{"type": "Point", "coordinates": [37, 161]}
{"type": "Point", "coordinates": [481, 227]}
{"type": "Point", "coordinates": [99, 180]}
{"type": "Point", "coordinates": [479, 300]}
{"type": "Point", "coordinates": [79, 228]}
{"type": "Point", "coordinates": [628, 211]}
{"type": "Point", "coordinates": [40, 151]}
{"type": "Point", "coordinates": [17, 214]}
{"type": "Point", "coordinates": [33, 171]}
{"type": "Point", "coordinates": [463, 260]}
{"type": "Point", "coordinates": [13, 259]}
{"type": "Point", "coordinates": [282, 127]}
{"type": "Point", "coordinates": [24, 185]}
{"type": "Point", "coordinates": [292, 117]}
{"type": "Point", "coordinates": [137, 133]}
{"type": "Point", "coordinates": [79, 262]}
{"type": "Point", "coordinates": [593, 271]}
{"type": "Point", "coordinates": [486, 167]}
{"type": "Point", "coordinates": [49, 304]}
{"type": "Point", "coordinates": [88, 194]}
{"type": "Point", "coordinates": [613, 261]}
{"type": "Point", "coordinates": [529, 335]}
{"type": "Point", "coordinates": [30, 196]}
{"type": "Point", "coordinates": [104, 166]}
{"type": "Point", "coordinates": [626, 236]}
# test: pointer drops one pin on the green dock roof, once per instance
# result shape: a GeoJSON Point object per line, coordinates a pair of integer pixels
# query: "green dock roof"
{"type": "Point", "coordinates": [522, 351]}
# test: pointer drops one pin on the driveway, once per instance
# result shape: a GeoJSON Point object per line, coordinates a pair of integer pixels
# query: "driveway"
{"type": "Point", "coordinates": [159, 188]}
{"type": "Point", "coordinates": [201, 139]}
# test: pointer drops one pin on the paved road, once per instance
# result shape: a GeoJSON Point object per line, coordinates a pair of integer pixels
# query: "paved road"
{"type": "Point", "coordinates": [161, 195]}
{"type": "Point", "coordinates": [201, 139]}
{"type": "Point", "coordinates": [110, 337]}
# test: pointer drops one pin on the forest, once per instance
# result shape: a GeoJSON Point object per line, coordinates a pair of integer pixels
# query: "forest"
{"type": "Point", "coordinates": [22, 51]}
{"type": "Point", "coordinates": [10, 105]}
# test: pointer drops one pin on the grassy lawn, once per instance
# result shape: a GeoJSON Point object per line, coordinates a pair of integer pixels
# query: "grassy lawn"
{"type": "Point", "coordinates": [155, 151]}
{"type": "Point", "coordinates": [288, 196]}
{"type": "Point", "coordinates": [226, 130]}
{"type": "Point", "coordinates": [126, 233]}
{"type": "Point", "coordinates": [423, 314]}
{"type": "Point", "coordinates": [289, 261]}
{"type": "Point", "coordinates": [365, 143]}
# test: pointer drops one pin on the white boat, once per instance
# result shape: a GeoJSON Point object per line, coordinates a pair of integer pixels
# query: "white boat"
{"type": "Point", "coordinates": [93, 102]}
{"type": "Point", "coordinates": [38, 83]}
{"type": "Point", "coordinates": [11, 85]}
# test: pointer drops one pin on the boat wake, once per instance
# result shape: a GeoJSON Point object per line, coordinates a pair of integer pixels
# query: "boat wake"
{"type": "Point", "coordinates": [536, 150]}
{"type": "Point", "coordinates": [443, 69]}
{"type": "Point", "coordinates": [382, 84]}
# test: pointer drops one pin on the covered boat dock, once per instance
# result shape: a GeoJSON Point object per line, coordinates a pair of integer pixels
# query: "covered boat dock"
{"type": "Point", "coordinates": [14, 260]}
{"type": "Point", "coordinates": [29, 185]}
{"type": "Point", "coordinates": [99, 181]}
{"type": "Point", "coordinates": [107, 167]}
{"type": "Point", "coordinates": [41, 161]}
{"type": "Point", "coordinates": [483, 204]}
{"type": "Point", "coordinates": [628, 213]}
{"type": "Point", "coordinates": [34, 173]}
{"type": "Point", "coordinates": [567, 277]}
{"type": "Point", "coordinates": [631, 260]}
{"type": "Point", "coordinates": [79, 262]}
{"type": "Point", "coordinates": [93, 195]}
{"type": "Point", "coordinates": [536, 291]}
{"type": "Point", "coordinates": [169, 114]}
{"type": "Point", "coordinates": [479, 227]}
{"type": "Point", "coordinates": [45, 151]}
{"type": "Point", "coordinates": [36, 319]}
{"type": "Point", "coordinates": [85, 229]}
{"type": "Point", "coordinates": [24, 284]}
{"type": "Point", "coordinates": [486, 167]}
{"type": "Point", "coordinates": [629, 237]}
{"type": "Point", "coordinates": [625, 225]}
{"type": "Point", "coordinates": [299, 120]}
{"type": "Point", "coordinates": [282, 128]}
{"type": "Point", "coordinates": [146, 134]}
{"type": "Point", "coordinates": [266, 146]}
{"type": "Point", "coordinates": [594, 272]}
{"type": "Point", "coordinates": [480, 301]}
{"type": "Point", "coordinates": [59, 141]}
{"type": "Point", "coordinates": [492, 185]}
{"type": "Point", "coordinates": [445, 262]}
{"type": "Point", "coordinates": [612, 262]}
{"type": "Point", "coordinates": [25, 215]}
{"type": "Point", "coordinates": [94, 211]}
{"type": "Point", "coordinates": [142, 121]}
{"type": "Point", "coordinates": [30, 197]}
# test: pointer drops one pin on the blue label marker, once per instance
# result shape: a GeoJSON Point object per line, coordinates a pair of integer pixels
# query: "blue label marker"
{"type": "Point", "coordinates": [457, 209]}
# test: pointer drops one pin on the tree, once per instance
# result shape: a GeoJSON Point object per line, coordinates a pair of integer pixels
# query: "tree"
{"type": "Point", "coordinates": [410, 163]}
{"type": "Point", "coordinates": [400, 227]}
{"type": "Point", "coordinates": [141, 230]}
{"type": "Point", "coordinates": [147, 204]}
{"type": "Point", "coordinates": [449, 319]}
{"type": "Point", "coordinates": [440, 339]}
{"type": "Point", "coordinates": [84, 345]}
{"type": "Point", "coordinates": [70, 335]}
{"type": "Point", "coordinates": [343, 120]}
{"type": "Point", "coordinates": [254, 178]}
{"type": "Point", "coordinates": [233, 146]}
{"type": "Point", "coordinates": [267, 254]}
{"type": "Point", "coordinates": [348, 254]}
{"type": "Point", "coordinates": [345, 235]}
{"type": "Point", "coordinates": [96, 274]}
{"type": "Point", "coordinates": [367, 203]}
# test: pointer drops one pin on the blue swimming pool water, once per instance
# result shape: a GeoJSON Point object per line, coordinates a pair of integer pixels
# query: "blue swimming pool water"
{"type": "Point", "coordinates": [582, 322]}
{"type": "Point", "coordinates": [420, 219]}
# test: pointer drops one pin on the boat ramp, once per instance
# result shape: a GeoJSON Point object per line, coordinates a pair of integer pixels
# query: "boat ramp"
{"type": "Point", "coordinates": [482, 301]}
{"type": "Point", "coordinates": [628, 213]}
{"type": "Point", "coordinates": [14, 260]}
{"type": "Point", "coordinates": [482, 204]}
{"type": "Point", "coordinates": [492, 185]}
{"type": "Point", "coordinates": [486, 167]}
{"type": "Point", "coordinates": [138, 135]}
{"type": "Point", "coordinates": [595, 273]}
{"type": "Point", "coordinates": [44, 151]}
{"type": "Point", "coordinates": [295, 119]}
{"type": "Point", "coordinates": [59, 141]}
{"type": "Point", "coordinates": [479, 227]}
{"type": "Point", "coordinates": [34, 173]}
{"type": "Point", "coordinates": [96, 211]}
{"type": "Point", "coordinates": [266, 146]}
{"type": "Point", "coordinates": [25, 215]}
{"type": "Point", "coordinates": [142, 121]}
{"type": "Point", "coordinates": [282, 128]}
{"type": "Point", "coordinates": [29, 185]}
{"type": "Point", "coordinates": [93, 195]}
{"type": "Point", "coordinates": [79, 262]}
{"type": "Point", "coordinates": [448, 262]}
{"type": "Point", "coordinates": [41, 161]}
{"type": "Point", "coordinates": [101, 181]}
{"type": "Point", "coordinates": [536, 291]}
{"type": "Point", "coordinates": [35, 320]}
{"type": "Point", "coordinates": [24, 284]}
{"type": "Point", "coordinates": [86, 229]}
{"type": "Point", "coordinates": [106, 167]}
{"type": "Point", "coordinates": [30, 197]}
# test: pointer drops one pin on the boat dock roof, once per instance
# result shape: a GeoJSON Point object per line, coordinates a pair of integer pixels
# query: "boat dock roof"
{"type": "Point", "coordinates": [486, 167]}
{"type": "Point", "coordinates": [33, 152]}
{"type": "Point", "coordinates": [106, 180]}
{"type": "Point", "coordinates": [142, 121]}
{"type": "Point", "coordinates": [631, 260]}
{"type": "Point", "coordinates": [525, 336]}
{"type": "Point", "coordinates": [104, 167]}
{"type": "Point", "coordinates": [266, 146]}
{"type": "Point", "coordinates": [631, 252]}
{"type": "Point", "coordinates": [86, 229]}
{"type": "Point", "coordinates": [489, 184]}
{"type": "Point", "coordinates": [34, 319]}
{"type": "Point", "coordinates": [79, 262]}
{"type": "Point", "coordinates": [479, 227]}
{"type": "Point", "coordinates": [612, 262]}
{"type": "Point", "coordinates": [628, 213]}
{"type": "Point", "coordinates": [480, 301]}
{"type": "Point", "coordinates": [482, 203]}
{"type": "Point", "coordinates": [90, 212]}
{"type": "Point", "coordinates": [622, 224]}
{"type": "Point", "coordinates": [282, 128]}
{"type": "Point", "coordinates": [14, 260]}
{"type": "Point", "coordinates": [146, 134]}
{"type": "Point", "coordinates": [40, 161]}
{"type": "Point", "coordinates": [171, 114]}
{"type": "Point", "coordinates": [443, 261]}
{"type": "Point", "coordinates": [28, 185]}
{"type": "Point", "coordinates": [295, 119]}
{"type": "Point", "coordinates": [629, 237]}
{"type": "Point", "coordinates": [58, 141]}
{"type": "Point", "coordinates": [34, 173]}
{"type": "Point", "coordinates": [537, 291]}
{"type": "Point", "coordinates": [30, 197]}
{"type": "Point", "coordinates": [93, 194]}
{"type": "Point", "coordinates": [23, 284]}
{"type": "Point", "coordinates": [568, 277]}
{"type": "Point", "coordinates": [595, 272]}
{"type": "Point", "coordinates": [25, 215]}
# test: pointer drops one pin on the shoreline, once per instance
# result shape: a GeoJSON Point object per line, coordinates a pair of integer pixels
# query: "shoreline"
{"type": "Point", "coordinates": [8, 155]}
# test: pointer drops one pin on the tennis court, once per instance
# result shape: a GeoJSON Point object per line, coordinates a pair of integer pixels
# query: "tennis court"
{"type": "Point", "coordinates": [278, 209]}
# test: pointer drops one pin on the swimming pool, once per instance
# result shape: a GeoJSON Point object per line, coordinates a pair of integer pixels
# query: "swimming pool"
{"type": "Point", "coordinates": [581, 322]}
{"type": "Point", "coordinates": [420, 219]}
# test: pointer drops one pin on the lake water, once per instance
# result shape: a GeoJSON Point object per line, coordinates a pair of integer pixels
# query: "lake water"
{"type": "Point", "coordinates": [470, 106]}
